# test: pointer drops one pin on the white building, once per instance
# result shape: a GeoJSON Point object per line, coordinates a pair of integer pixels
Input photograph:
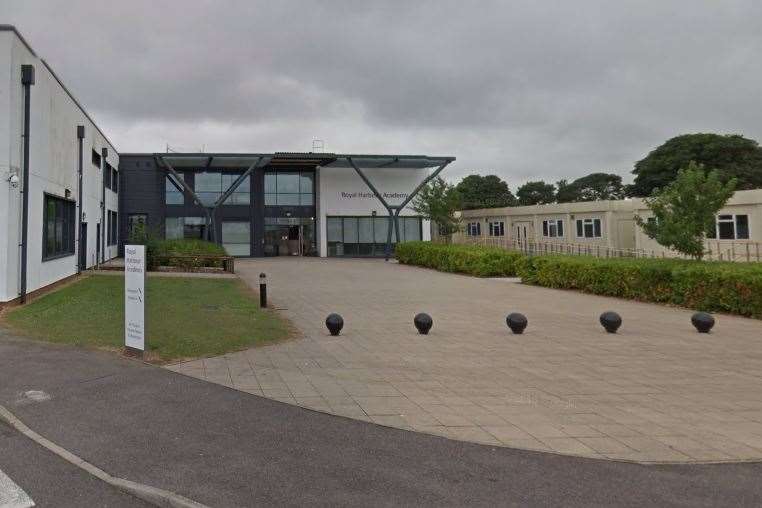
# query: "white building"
{"type": "Point", "coordinates": [53, 244]}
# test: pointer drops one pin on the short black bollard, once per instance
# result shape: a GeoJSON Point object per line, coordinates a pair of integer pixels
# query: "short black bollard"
{"type": "Point", "coordinates": [334, 323]}
{"type": "Point", "coordinates": [263, 290]}
{"type": "Point", "coordinates": [611, 321]}
{"type": "Point", "coordinates": [703, 321]}
{"type": "Point", "coordinates": [423, 323]}
{"type": "Point", "coordinates": [516, 322]}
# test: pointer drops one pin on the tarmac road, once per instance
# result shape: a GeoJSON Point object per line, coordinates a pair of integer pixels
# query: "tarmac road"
{"type": "Point", "coordinates": [222, 447]}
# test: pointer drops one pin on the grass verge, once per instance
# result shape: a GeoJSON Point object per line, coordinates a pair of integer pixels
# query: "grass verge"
{"type": "Point", "coordinates": [185, 317]}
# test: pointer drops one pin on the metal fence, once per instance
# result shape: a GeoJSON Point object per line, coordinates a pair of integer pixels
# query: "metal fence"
{"type": "Point", "coordinates": [718, 251]}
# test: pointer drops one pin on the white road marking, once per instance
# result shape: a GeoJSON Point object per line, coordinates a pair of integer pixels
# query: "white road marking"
{"type": "Point", "coordinates": [11, 495]}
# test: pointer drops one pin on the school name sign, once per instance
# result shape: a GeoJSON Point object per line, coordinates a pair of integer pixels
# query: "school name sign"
{"type": "Point", "coordinates": [134, 296]}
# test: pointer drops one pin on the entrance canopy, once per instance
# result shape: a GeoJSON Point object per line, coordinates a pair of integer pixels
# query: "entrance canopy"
{"type": "Point", "coordinates": [358, 162]}
{"type": "Point", "coordinates": [330, 160]}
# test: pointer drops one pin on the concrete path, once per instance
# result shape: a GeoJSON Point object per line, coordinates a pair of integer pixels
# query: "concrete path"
{"type": "Point", "coordinates": [656, 392]}
{"type": "Point", "coordinates": [223, 447]}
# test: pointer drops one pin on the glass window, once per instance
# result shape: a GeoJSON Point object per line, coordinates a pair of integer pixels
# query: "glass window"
{"type": "Point", "coordinates": [589, 228]}
{"type": "Point", "coordinates": [208, 187]}
{"type": "Point", "coordinates": [184, 227]}
{"type": "Point", "coordinates": [553, 228]}
{"type": "Point", "coordinates": [350, 230]}
{"type": "Point", "coordinates": [113, 230]}
{"type": "Point", "coordinates": [334, 229]}
{"type": "Point", "coordinates": [58, 227]}
{"type": "Point", "coordinates": [381, 229]}
{"type": "Point", "coordinates": [115, 181]}
{"type": "Point", "coordinates": [107, 176]}
{"type": "Point", "coordinates": [137, 224]}
{"type": "Point", "coordinates": [412, 229]}
{"type": "Point", "coordinates": [174, 194]}
{"type": "Point", "coordinates": [289, 188]}
{"type": "Point", "coordinates": [173, 228]}
{"type": "Point", "coordinates": [242, 194]}
{"type": "Point", "coordinates": [365, 231]}
{"type": "Point", "coordinates": [742, 227]}
{"type": "Point", "coordinates": [236, 238]}
{"type": "Point", "coordinates": [497, 228]}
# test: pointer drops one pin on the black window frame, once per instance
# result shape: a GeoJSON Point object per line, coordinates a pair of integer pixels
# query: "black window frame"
{"type": "Point", "coordinates": [68, 233]}
{"type": "Point", "coordinates": [107, 176]}
{"type": "Point", "coordinates": [268, 196]}
{"type": "Point", "coordinates": [474, 226]}
{"type": "Point", "coordinates": [722, 219]}
{"type": "Point", "coordinates": [114, 180]}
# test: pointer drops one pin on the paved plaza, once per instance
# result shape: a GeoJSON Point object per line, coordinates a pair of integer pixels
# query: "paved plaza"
{"type": "Point", "coordinates": [655, 392]}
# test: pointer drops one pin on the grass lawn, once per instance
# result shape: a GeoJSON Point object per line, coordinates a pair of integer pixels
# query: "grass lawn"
{"type": "Point", "coordinates": [185, 317]}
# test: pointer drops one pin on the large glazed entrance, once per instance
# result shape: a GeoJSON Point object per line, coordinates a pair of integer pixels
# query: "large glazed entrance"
{"type": "Point", "coordinates": [290, 237]}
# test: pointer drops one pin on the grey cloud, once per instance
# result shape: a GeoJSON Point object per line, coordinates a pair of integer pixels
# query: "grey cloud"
{"type": "Point", "coordinates": [524, 89]}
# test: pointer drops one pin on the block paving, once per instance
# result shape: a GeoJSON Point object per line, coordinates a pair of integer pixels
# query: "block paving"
{"type": "Point", "coordinates": [657, 391]}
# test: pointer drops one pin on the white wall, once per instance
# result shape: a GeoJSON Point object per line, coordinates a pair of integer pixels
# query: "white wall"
{"type": "Point", "coordinates": [341, 192]}
{"type": "Point", "coordinates": [53, 162]}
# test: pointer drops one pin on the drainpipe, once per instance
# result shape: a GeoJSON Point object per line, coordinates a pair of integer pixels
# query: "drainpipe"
{"type": "Point", "coordinates": [27, 80]}
{"type": "Point", "coordinates": [80, 199]}
{"type": "Point", "coordinates": [104, 154]}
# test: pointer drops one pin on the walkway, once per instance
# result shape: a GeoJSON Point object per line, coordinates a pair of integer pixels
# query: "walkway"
{"type": "Point", "coordinates": [656, 392]}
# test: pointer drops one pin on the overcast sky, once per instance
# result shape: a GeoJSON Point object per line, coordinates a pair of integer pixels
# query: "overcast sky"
{"type": "Point", "coordinates": [524, 89]}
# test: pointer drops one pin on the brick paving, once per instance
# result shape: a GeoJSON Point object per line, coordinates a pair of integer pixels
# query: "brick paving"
{"type": "Point", "coordinates": [655, 392]}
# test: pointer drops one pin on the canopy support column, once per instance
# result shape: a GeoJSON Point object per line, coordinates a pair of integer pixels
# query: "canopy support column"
{"type": "Point", "coordinates": [395, 210]}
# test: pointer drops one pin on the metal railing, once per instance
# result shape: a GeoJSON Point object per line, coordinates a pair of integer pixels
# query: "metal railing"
{"type": "Point", "coordinates": [715, 250]}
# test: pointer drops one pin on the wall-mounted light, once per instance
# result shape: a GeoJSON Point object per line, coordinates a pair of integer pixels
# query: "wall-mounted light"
{"type": "Point", "coordinates": [67, 193]}
{"type": "Point", "coordinates": [374, 213]}
{"type": "Point", "coordinates": [13, 179]}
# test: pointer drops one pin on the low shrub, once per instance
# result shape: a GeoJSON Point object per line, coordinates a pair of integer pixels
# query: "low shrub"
{"type": "Point", "coordinates": [186, 251]}
{"type": "Point", "coordinates": [734, 288]}
{"type": "Point", "coordinates": [471, 260]}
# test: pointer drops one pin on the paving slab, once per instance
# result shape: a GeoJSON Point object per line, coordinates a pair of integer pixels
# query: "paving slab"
{"type": "Point", "coordinates": [565, 384]}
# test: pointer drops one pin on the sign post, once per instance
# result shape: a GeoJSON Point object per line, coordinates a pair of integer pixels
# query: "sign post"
{"type": "Point", "coordinates": [134, 299]}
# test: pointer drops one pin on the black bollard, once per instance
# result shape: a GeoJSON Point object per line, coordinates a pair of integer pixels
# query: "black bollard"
{"type": "Point", "coordinates": [703, 321]}
{"type": "Point", "coordinates": [263, 290]}
{"type": "Point", "coordinates": [423, 323]}
{"type": "Point", "coordinates": [334, 323]}
{"type": "Point", "coordinates": [611, 321]}
{"type": "Point", "coordinates": [516, 322]}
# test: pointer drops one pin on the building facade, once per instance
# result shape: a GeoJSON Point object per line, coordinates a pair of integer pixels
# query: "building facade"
{"type": "Point", "coordinates": [609, 228]}
{"type": "Point", "coordinates": [286, 204]}
{"type": "Point", "coordinates": [47, 140]}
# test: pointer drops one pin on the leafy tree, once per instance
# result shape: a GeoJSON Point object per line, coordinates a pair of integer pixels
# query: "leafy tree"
{"type": "Point", "coordinates": [733, 155]}
{"type": "Point", "coordinates": [438, 201]}
{"type": "Point", "coordinates": [593, 187]}
{"type": "Point", "coordinates": [489, 191]}
{"type": "Point", "coordinates": [536, 193]}
{"type": "Point", "coordinates": [685, 210]}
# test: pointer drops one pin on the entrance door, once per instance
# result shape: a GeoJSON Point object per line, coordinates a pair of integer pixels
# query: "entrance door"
{"type": "Point", "coordinates": [83, 246]}
{"type": "Point", "coordinates": [284, 240]}
{"type": "Point", "coordinates": [524, 234]}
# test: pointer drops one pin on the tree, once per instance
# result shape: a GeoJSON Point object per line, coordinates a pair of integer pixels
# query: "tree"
{"type": "Point", "coordinates": [438, 201]}
{"type": "Point", "coordinates": [733, 156]}
{"type": "Point", "coordinates": [489, 191]}
{"type": "Point", "coordinates": [684, 211]}
{"type": "Point", "coordinates": [593, 187]}
{"type": "Point", "coordinates": [536, 193]}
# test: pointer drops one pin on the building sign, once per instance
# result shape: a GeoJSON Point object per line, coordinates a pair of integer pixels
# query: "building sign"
{"type": "Point", "coordinates": [369, 195]}
{"type": "Point", "coordinates": [134, 296]}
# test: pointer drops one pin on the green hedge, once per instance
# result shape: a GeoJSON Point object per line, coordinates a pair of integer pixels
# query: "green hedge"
{"type": "Point", "coordinates": [161, 252]}
{"type": "Point", "coordinates": [471, 260]}
{"type": "Point", "coordinates": [735, 288]}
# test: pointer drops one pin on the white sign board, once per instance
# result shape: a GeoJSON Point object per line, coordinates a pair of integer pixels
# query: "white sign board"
{"type": "Point", "coordinates": [134, 296]}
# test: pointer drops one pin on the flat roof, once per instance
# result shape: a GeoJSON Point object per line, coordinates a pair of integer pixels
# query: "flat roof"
{"type": "Point", "coordinates": [328, 160]}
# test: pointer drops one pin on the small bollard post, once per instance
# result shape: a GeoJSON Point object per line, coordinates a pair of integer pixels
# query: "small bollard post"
{"type": "Point", "coordinates": [263, 290]}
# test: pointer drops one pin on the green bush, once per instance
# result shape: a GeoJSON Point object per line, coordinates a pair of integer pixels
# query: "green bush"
{"type": "Point", "coordinates": [471, 260]}
{"type": "Point", "coordinates": [734, 288]}
{"type": "Point", "coordinates": [187, 249]}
